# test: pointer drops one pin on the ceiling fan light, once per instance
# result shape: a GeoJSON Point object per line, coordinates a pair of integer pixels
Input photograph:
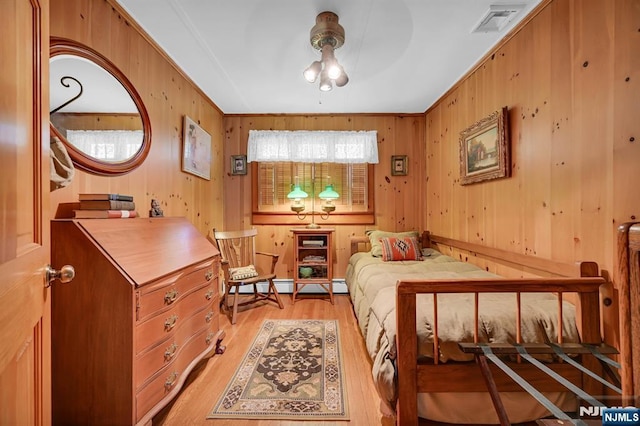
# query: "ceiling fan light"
{"type": "Point", "coordinates": [327, 53]}
{"type": "Point", "coordinates": [334, 70]}
{"type": "Point", "coordinates": [325, 82]}
{"type": "Point", "coordinates": [312, 71]}
{"type": "Point", "coordinates": [326, 36]}
{"type": "Point", "coordinates": [343, 79]}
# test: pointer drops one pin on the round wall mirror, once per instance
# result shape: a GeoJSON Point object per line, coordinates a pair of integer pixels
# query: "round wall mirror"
{"type": "Point", "coordinates": [95, 111]}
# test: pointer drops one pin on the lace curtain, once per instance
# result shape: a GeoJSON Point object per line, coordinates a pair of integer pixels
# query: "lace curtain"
{"type": "Point", "coordinates": [304, 146]}
{"type": "Point", "coordinates": [108, 145]}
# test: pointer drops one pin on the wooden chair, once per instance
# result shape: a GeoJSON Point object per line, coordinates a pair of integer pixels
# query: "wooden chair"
{"type": "Point", "coordinates": [238, 249]}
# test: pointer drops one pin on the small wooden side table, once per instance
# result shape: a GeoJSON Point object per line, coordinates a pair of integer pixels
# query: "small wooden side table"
{"type": "Point", "coordinates": [313, 259]}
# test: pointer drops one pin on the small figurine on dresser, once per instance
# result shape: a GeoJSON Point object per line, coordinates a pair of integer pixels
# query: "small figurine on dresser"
{"type": "Point", "coordinates": [155, 211]}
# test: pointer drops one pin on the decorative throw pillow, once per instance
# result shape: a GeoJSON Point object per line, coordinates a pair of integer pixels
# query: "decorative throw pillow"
{"type": "Point", "coordinates": [242, 273]}
{"type": "Point", "coordinates": [403, 248]}
{"type": "Point", "coordinates": [374, 239]}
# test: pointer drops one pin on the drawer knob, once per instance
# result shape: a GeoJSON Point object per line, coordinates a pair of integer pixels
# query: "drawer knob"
{"type": "Point", "coordinates": [209, 316]}
{"type": "Point", "coordinates": [170, 296]}
{"type": "Point", "coordinates": [209, 295]}
{"type": "Point", "coordinates": [171, 380]}
{"type": "Point", "coordinates": [209, 338]}
{"type": "Point", "coordinates": [208, 275]}
{"type": "Point", "coordinates": [170, 322]}
{"type": "Point", "coordinates": [170, 352]}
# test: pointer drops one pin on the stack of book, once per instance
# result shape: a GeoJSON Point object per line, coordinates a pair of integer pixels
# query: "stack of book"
{"type": "Point", "coordinates": [105, 206]}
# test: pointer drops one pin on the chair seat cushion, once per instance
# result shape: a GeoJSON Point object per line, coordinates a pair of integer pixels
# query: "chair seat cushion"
{"type": "Point", "coordinates": [242, 272]}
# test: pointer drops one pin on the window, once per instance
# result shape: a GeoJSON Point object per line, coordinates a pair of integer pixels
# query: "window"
{"type": "Point", "coordinates": [107, 145]}
{"type": "Point", "coordinates": [273, 181]}
{"type": "Point", "coordinates": [312, 159]}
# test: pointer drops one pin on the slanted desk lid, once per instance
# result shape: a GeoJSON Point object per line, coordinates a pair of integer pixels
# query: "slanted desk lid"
{"type": "Point", "coordinates": [149, 248]}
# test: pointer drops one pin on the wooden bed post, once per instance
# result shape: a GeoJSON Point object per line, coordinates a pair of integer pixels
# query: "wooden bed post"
{"type": "Point", "coordinates": [407, 350]}
{"type": "Point", "coordinates": [628, 283]}
{"type": "Point", "coordinates": [633, 298]}
{"type": "Point", "coordinates": [426, 239]}
{"type": "Point", "coordinates": [590, 329]}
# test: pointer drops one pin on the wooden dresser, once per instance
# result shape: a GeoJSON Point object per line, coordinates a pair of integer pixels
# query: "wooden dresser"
{"type": "Point", "coordinates": [141, 312]}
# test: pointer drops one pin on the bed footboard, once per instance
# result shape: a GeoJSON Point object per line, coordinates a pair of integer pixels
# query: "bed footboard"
{"type": "Point", "coordinates": [416, 376]}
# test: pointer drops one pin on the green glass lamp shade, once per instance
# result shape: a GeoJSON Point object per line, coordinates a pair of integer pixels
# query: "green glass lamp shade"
{"type": "Point", "coordinates": [328, 193]}
{"type": "Point", "coordinates": [297, 193]}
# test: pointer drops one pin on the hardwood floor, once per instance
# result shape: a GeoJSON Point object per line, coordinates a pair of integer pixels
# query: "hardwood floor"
{"type": "Point", "coordinates": [208, 380]}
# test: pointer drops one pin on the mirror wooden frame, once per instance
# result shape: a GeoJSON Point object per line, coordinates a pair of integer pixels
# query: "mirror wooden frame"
{"type": "Point", "coordinates": [62, 46]}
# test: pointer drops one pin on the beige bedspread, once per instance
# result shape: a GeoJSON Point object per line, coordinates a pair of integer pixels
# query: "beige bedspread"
{"type": "Point", "coordinates": [371, 283]}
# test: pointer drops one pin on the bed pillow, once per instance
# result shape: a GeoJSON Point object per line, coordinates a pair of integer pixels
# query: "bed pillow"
{"type": "Point", "coordinates": [374, 239]}
{"type": "Point", "coordinates": [400, 248]}
{"type": "Point", "coordinates": [243, 272]}
{"type": "Point", "coordinates": [429, 252]}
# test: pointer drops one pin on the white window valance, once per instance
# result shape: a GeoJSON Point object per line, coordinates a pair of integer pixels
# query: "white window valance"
{"type": "Point", "coordinates": [308, 146]}
{"type": "Point", "coordinates": [108, 145]}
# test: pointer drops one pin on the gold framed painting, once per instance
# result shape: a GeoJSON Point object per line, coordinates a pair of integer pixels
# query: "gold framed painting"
{"type": "Point", "coordinates": [484, 149]}
{"type": "Point", "coordinates": [196, 151]}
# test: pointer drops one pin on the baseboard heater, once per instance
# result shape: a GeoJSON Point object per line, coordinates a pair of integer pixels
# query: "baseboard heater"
{"type": "Point", "coordinates": [285, 286]}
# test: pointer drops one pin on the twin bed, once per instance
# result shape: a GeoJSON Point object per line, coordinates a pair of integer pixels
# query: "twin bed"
{"type": "Point", "coordinates": [414, 310]}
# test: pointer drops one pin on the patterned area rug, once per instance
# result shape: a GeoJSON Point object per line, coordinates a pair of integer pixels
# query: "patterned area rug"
{"type": "Point", "coordinates": [293, 370]}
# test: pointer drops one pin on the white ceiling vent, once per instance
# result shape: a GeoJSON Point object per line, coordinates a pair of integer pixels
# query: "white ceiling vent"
{"type": "Point", "coordinates": [497, 17]}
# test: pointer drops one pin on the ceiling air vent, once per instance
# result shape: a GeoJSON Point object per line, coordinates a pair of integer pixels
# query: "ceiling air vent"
{"type": "Point", "coordinates": [497, 17]}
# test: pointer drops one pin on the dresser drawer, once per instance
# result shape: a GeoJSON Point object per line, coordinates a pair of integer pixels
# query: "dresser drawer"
{"type": "Point", "coordinates": [172, 375]}
{"type": "Point", "coordinates": [167, 292]}
{"type": "Point", "coordinates": [166, 324]}
{"type": "Point", "coordinates": [160, 355]}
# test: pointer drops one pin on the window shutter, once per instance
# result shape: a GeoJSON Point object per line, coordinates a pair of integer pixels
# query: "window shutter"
{"type": "Point", "coordinates": [276, 180]}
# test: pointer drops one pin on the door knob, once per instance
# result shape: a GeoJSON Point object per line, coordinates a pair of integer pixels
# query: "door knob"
{"type": "Point", "coordinates": [65, 274]}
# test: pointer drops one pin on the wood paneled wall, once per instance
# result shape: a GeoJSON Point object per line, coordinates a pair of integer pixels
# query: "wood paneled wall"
{"type": "Point", "coordinates": [98, 121]}
{"type": "Point", "coordinates": [168, 95]}
{"type": "Point", "coordinates": [571, 80]}
{"type": "Point", "coordinates": [399, 200]}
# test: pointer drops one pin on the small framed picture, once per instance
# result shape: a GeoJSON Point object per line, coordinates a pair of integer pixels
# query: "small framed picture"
{"type": "Point", "coordinates": [398, 165]}
{"type": "Point", "coordinates": [238, 164]}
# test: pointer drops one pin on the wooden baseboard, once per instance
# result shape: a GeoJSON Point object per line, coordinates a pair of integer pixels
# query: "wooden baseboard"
{"type": "Point", "coordinates": [285, 286]}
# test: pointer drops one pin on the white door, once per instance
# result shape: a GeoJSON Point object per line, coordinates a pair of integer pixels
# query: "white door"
{"type": "Point", "coordinates": [25, 319]}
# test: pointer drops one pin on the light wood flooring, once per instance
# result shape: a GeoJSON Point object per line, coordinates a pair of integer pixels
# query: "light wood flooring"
{"type": "Point", "coordinates": [209, 379]}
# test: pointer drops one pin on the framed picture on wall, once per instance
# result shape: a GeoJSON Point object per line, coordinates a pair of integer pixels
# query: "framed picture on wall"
{"type": "Point", "coordinates": [238, 164]}
{"type": "Point", "coordinates": [398, 165]}
{"type": "Point", "coordinates": [484, 149]}
{"type": "Point", "coordinates": [196, 150]}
